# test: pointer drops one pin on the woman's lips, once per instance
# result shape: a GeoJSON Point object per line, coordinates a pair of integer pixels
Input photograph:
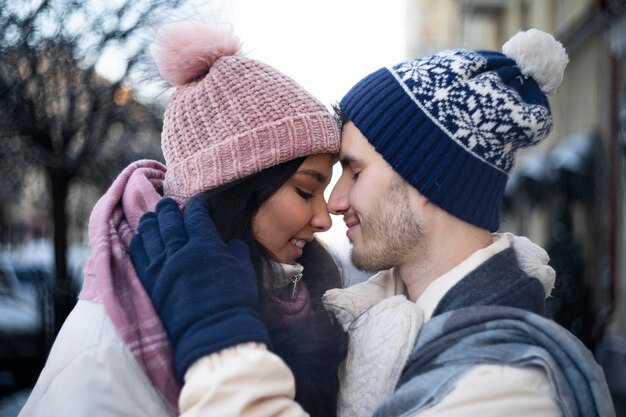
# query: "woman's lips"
{"type": "Point", "coordinates": [299, 243]}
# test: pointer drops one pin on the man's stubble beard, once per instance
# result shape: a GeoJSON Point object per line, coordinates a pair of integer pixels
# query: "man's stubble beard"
{"type": "Point", "coordinates": [390, 233]}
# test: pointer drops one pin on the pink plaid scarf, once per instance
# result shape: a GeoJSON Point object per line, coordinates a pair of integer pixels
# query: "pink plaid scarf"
{"type": "Point", "coordinates": [110, 278]}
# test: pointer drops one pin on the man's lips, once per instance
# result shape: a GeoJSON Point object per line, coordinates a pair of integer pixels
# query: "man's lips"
{"type": "Point", "coordinates": [351, 222]}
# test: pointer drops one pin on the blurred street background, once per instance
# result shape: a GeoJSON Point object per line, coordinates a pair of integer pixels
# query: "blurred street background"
{"type": "Point", "coordinates": [78, 102]}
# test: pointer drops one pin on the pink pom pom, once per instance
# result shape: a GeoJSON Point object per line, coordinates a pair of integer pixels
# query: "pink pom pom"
{"type": "Point", "coordinates": [184, 51]}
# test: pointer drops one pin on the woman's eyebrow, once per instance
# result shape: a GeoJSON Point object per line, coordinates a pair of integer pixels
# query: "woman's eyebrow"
{"type": "Point", "coordinates": [315, 174]}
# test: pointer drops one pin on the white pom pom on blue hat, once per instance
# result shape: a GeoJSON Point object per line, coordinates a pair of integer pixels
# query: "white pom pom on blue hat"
{"type": "Point", "coordinates": [540, 56]}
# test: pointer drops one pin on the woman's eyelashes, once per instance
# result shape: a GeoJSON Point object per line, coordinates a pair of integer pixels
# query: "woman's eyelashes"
{"type": "Point", "coordinates": [304, 194]}
{"type": "Point", "coordinates": [355, 175]}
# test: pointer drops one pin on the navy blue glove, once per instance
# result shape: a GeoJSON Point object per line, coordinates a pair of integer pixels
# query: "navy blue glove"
{"type": "Point", "coordinates": [204, 290]}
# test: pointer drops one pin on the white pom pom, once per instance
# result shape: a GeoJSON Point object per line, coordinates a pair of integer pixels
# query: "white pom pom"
{"type": "Point", "coordinates": [539, 56]}
{"type": "Point", "coordinates": [185, 51]}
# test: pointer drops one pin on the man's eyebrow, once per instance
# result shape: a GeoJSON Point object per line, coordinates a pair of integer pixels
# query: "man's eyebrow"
{"type": "Point", "coordinates": [346, 160]}
{"type": "Point", "coordinates": [313, 173]}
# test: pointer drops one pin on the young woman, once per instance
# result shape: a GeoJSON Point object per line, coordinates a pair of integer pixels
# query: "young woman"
{"type": "Point", "coordinates": [276, 213]}
{"type": "Point", "coordinates": [260, 148]}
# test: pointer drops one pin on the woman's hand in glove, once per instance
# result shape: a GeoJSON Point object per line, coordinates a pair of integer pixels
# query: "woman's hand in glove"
{"type": "Point", "coordinates": [204, 290]}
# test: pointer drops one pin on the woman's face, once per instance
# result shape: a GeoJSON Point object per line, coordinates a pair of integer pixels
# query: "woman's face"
{"type": "Point", "coordinates": [287, 220]}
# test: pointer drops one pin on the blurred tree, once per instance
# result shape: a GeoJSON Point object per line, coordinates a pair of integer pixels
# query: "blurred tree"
{"type": "Point", "coordinates": [58, 113]}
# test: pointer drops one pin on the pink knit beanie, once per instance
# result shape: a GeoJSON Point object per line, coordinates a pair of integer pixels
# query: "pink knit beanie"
{"type": "Point", "coordinates": [230, 116]}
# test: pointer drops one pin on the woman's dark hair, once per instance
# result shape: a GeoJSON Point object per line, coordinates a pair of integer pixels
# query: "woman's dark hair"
{"type": "Point", "coordinates": [314, 346]}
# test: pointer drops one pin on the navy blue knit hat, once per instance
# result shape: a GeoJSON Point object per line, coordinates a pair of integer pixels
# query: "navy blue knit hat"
{"type": "Point", "coordinates": [450, 123]}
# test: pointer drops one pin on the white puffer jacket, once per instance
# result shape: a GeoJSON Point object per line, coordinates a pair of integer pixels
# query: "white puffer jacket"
{"type": "Point", "coordinates": [89, 357]}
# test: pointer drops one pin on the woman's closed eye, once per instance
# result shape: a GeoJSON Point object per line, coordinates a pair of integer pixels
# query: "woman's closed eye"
{"type": "Point", "coordinates": [304, 194]}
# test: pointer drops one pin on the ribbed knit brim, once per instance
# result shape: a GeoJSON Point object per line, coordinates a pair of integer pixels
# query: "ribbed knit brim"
{"type": "Point", "coordinates": [422, 153]}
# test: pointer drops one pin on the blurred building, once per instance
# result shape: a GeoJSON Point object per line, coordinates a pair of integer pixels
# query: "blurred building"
{"type": "Point", "coordinates": [568, 193]}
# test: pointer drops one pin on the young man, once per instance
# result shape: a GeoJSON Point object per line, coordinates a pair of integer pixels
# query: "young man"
{"type": "Point", "coordinates": [426, 149]}
{"type": "Point", "coordinates": [453, 324]}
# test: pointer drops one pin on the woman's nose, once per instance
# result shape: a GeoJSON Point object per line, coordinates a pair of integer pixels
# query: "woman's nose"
{"type": "Point", "coordinates": [321, 218]}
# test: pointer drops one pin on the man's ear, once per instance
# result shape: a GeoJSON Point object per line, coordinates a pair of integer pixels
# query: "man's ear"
{"type": "Point", "coordinates": [420, 198]}
{"type": "Point", "coordinates": [417, 200]}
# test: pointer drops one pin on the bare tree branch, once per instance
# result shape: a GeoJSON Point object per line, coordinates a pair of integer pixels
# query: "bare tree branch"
{"type": "Point", "coordinates": [54, 106]}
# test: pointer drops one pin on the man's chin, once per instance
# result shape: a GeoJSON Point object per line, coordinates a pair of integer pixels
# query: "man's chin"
{"type": "Point", "coordinates": [363, 262]}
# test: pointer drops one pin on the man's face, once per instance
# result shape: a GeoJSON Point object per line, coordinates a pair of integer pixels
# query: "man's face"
{"type": "Point", "coordinates": [375, 202]}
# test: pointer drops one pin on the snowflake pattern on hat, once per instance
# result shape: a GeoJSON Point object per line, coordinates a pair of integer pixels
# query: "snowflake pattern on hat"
{"type": "Point", "coordinates": [472, 105]}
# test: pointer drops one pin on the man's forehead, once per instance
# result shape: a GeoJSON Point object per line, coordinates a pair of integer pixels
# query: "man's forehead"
{"type": "Point", "coordinates": [355, 146]}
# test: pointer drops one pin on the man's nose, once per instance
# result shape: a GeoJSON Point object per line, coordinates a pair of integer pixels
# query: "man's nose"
{"type": "Point", "coordinates": [338, 202]}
